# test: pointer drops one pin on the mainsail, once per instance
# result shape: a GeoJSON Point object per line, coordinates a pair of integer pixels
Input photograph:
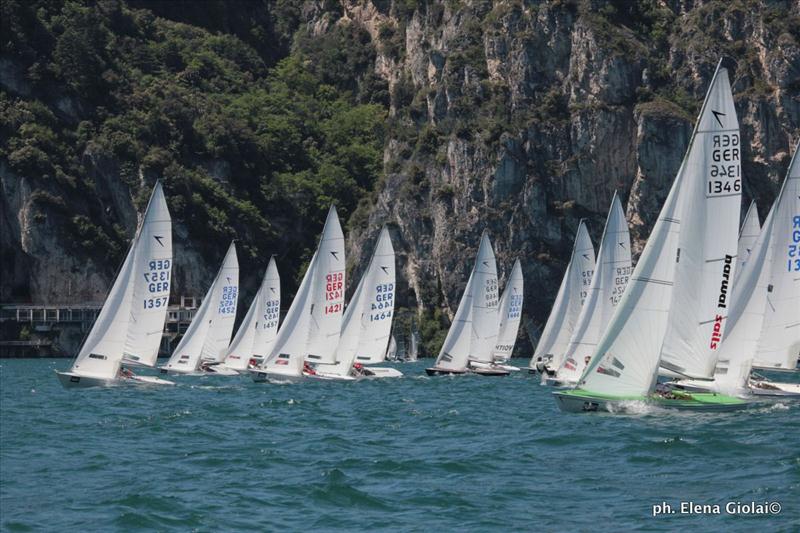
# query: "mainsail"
{"type": "Point", "coordinates": [706, 261]}
{"type": "Point", "coordinates": [367, 322]}
{"type": "Point", "coordinates": [485, 299]}
{"type": "Point", "coordinates": [210, 331]}
{"type": "Point", "coordinates": [257, 331]}
{"type": "Point", "coordinates": [611, 273]}
{"type": "Point", "coordinates": [510, 310]}
{"type": "Point", "coordinates": [626, 359]}
{"type": "Point", "coordinates": [569, 300]}
{"type": "Point", "coordinates": [327, 294]}
{"type": "Point", "coordinates": [779, 345]}
{"type": "Point", "coordinates": [136, 305]}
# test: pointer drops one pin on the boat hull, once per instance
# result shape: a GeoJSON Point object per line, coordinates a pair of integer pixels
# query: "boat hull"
{"type": "Point", "coordinates": [579, 401]}
{"type": "Point", "coordinates": [220, 370]}
{"type": "Point", "coordinates": [71, 380]}
{"type": "Point", "coordinates": [491, 372]}
{"type": "Point", "coordinates": [322, 376]}
{"type": "Point", "coordinates": [558, 383]}
{"type": "Point", "coordinates": [776, 390]}
{"type": "Point", "coordinates": [375, 372]}
{"type": "Point", "coordinates": [436, 371]}
{"type": "Point", "coordinates": [261, 375]}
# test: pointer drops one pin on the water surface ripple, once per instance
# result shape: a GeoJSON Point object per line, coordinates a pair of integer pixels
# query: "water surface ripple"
{"type": "Point", "coordinates": [412, 454]}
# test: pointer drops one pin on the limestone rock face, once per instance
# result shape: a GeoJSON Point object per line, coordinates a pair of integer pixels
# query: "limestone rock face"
{"type": "Point", "coordinates": [517, 116]}
{"type": "Point", "coordinates": [530, 115]}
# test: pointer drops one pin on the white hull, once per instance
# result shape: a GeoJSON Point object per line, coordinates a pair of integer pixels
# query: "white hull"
{"type": "Point", "coordinates": [510, 368]}
{"type": "Point", "coordinates": [330, 377]}
{"type": "Point", "coordinates": [220, 370]}
{"type": "Point", "coordinates": [71, 380]}
{"type": "Point", "coordinates": [559, 383]}
{"type": "Point", "coordinates": [775, 388]}
{"type": "Point", "coordinates": [261, 375]}
{"type": "Point", "coordinates": [373, 372]}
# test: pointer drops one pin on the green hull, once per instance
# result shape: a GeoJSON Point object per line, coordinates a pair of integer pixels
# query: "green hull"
{"type": "Point", "coordinates": [579, 401]}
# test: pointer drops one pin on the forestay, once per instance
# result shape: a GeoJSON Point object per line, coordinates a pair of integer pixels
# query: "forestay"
{"type": "Point", "coordinates": [510, 310]}
{"type": "Point", "coordinates": [132, 300]}
{"type": "Point", "coordinates": [567, 306]}
{"type": "Point", "coordinates": [210, 331]}
{"type": "Point", "coordinates": [257, 332]}
{"type": "Point", "coordinates": [706, 265]}
{"type": "Point", "coordinates": [611, 274]}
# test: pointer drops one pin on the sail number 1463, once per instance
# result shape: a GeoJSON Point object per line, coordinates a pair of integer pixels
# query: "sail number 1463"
{"type": "Point", "coordinates": [725, 171]}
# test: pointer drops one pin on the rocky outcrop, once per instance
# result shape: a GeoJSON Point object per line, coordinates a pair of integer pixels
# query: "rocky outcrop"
{"type": "Point", "coordinates": [527, 116]}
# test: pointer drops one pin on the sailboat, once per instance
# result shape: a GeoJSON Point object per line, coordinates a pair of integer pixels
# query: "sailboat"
{"type": "Point", "coordinates": [612, 270]}
{"type": "Point", "coordinates": [413, 352]}
{"type": "Point", "coordinates": [367, 321]}
{"type": "Point", "coordinates": [391, 350]}
{"type": "Point", "coordinates": [473, 333]}
{"type": "Point", "coordinates": [574, 288]}
{"type": "Point", "coordinates": [769, 269]}
{"type": "Point", "coordinates": [206, 340]}
{"type": "Point", "coordinates": [751, 228]}
{"type": "Point", "coordinates": [258, 330]}
{"type": "Point", "coordinates": [510, 310]}
{"type": "Point", "coordinates": [312, 326]}
{"type": "Point", "coordinates": [131, 323]}
{"type": "Point", "coordinates": [674, 308]}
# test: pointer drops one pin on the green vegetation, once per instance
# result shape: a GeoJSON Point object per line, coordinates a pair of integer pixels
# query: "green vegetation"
{"type": "Point", "coordinates": [246, 150]}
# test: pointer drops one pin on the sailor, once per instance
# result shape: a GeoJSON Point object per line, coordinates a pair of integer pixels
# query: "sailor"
{"type": "Point", "coordinates": [308, 369]}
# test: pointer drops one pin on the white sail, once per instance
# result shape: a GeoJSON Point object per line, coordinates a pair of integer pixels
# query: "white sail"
{"type": "Point", "coordinates": [625, 362]}
{"type": "Point", "coordinates": [611, 274]}
{"type": "Point", "coordinates": [327, 294]}
{"type": "Point", "coordinates": [748, 304]}
{"type": "Point", "coordinates": [289, 348]}
{"type": "Point", "coordinates": [391, 350]}
{"type": "Point", "coordinates": [367, 322]}
{"type": "Point", "coordinates": [413, 353]}
{"type": "Point", "coordinates": [151, 282]}
{"type": "Point", "coordinates": [510, 310]}
{"type": "Point", "coordinates": [373, 320]}
{"type": "Point", "coordinates": [779, 344]}
{"type": "Point", "coordinates": [210, 331]}
{"type": "Point", "coordinates": [567, 306]}
{"type": "Point", "coordinates": [485, 299]}
{"type": "Point", "coordinates": [127, 303]}
{"type": "Point", "coordinates": [257, 331]}
{"type": "Point", "coordinates": [706, 265]}
{"type": "Point", "coordinates": [751, 228]}
{"type": "Point", "coordinates": [454, 353]}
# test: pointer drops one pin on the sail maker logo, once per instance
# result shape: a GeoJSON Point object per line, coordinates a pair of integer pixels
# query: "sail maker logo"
{"type": "Point", "coordinates": [716, 333]}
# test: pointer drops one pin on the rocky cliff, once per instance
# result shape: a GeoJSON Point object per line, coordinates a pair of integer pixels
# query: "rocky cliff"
{"type": "Point", "coordinates": [519, 117]}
